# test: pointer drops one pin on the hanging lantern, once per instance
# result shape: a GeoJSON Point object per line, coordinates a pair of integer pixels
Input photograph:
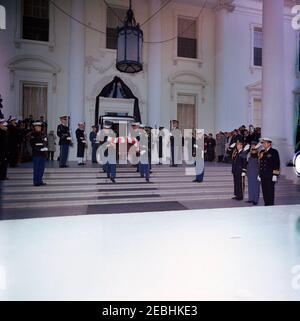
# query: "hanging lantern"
{"type": "Point", "coordinates": [130, 45]}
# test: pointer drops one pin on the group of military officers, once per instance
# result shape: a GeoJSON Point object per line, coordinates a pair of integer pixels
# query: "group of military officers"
{"type": "Point", "coordinates": [261, 164]}
{"type": "Point", "coordinates": [258, 160]}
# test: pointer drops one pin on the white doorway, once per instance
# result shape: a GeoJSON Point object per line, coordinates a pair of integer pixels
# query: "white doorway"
{"type": "Point", "coordinates": [34, 100]}
{"type": "Point", "coordinates": [186, 111]}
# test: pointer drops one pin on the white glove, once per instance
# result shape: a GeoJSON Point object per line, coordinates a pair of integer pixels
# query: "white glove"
{"type": "Point", "coordinates": [247, 147]}
{"type": "Point", "coordinates": [243, 174]}
{"type": "Point", "coordinates": [232, 145]}
{"type": "Point", "coordinates": [45, 149]}
{"type": "Point", "coordinates": [274, 178]}
{"type": "Point", "coordinates": [196, 146]}
{"type": "Point", "coordinates": [258, 178]}
{"type": "Point", "coordinates": [69, 138]}
{"type": "Point", "coordinates": [84, 142]}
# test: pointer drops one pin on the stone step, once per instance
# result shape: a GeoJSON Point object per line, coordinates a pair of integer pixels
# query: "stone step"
{"type": "Point", "coordinates": [87, 202]}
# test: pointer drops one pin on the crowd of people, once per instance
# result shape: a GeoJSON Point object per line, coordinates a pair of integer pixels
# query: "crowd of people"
{"type": "Point", "coordinates": [250, 156]}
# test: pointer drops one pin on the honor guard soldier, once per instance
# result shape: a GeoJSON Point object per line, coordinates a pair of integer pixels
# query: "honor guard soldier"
{"type": "Point", "coordinates": [143, 146]}
{"type": "Point", "coordinates": [199, 154]}
{"type": "Point", "coordinates": [108, 146]}
{"type": "Point", "coordinates": [65, 140]}
{"type": "Point", "coordinates": [3, 150]}
{"type": "Point", "coordinates": [135, 133]}
{"type": "Point", "coordinates": [38, 143]}
{"type": "Point", "coordinates": [239, 170]}
{"type": "Point", "coordinates": [269, 170]}
{"type": "Point", "coordinates": [81, 143]}
{"type": "Point", "coordinates": [94, 143]}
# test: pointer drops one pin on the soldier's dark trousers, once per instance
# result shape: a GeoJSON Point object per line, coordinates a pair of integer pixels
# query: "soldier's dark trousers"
{"type": "Point", "coordinates": [3, 169]}
{"type": "Point", "coordinates": [145, 170]}
{"type": "Point", "coordinates": [111, 170]}
{"type": "Point", "coordinates": [64, 153]}
{"type": "Point", "coordinates": [94, 153]}
{"type": "Point", "coordinates": [268, 189]}
{"type": "Point", "coordinates": [38, 170]}
{"type": "Point", "coordinates": [238, 186]}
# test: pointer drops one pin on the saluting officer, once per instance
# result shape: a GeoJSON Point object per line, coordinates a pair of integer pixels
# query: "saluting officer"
{"type": "Point", "coordinates": [239, 169]}
{"type": "Point", "coordinates": [269, 170]}
{"type": "Point", "coordinates": [65, 140]}
{"type": "Point", "coordinates": [252, 173]}
{"type": "Point", "coordinates": [38, 143]}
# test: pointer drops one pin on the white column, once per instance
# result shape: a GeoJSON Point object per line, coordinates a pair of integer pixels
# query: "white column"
{"type": "Point", "coordinates": [273, 87]}
{"type": "Point", "coordinates": [154, 66]}
{"type": "Point", "coordinates": [225, 118]}
{"type": "Point", "coordinates": [76, 65]}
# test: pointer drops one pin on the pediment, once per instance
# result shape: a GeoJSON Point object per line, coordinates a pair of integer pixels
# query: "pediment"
{"type": "Point", "coordinates": [33, 63]}
{"type": "Point", "coordinates": [187, 77]}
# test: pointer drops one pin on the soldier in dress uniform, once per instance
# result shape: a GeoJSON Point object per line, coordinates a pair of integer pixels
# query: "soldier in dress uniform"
{"type": "Point", "coordinates": [239, 169]}
{"type": "Point", "coordinates": [94, 143]}
{"type": "Point", "coordinates": [199, 154]}
{"type": "Point", "coordinates": [108, 146]}
{"type": "Point", "coordinates": [3, 150]}
{"type": "Point", "coordinates": [144, 167]}
{"type": "Point", "coordinates": [81, 143]}
{"type": "Point", "coordinates": [269, 170]}
{"type": "Point", "coordinates": [65, 140]}
{"type": "Point", "coordinates": [252, 173]}
{"type": "Point", "coordinates": [174, 141]}
{"type": "Point", "coordinates": [135, 133]}
{"type": "Point", "coordinates": [38, 143]}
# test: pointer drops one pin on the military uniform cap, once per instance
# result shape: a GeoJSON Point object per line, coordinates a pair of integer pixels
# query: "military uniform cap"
{"type": "Point", "coordinates": [37, 123]}
{"type": "Point", "coordinates": [266, 139]}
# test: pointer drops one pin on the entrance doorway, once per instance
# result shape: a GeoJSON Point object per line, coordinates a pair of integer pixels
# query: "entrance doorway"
{"type": "Point", "coordinates": [186, 111]}
{"type": "Point", "coordinates": [35, 101]}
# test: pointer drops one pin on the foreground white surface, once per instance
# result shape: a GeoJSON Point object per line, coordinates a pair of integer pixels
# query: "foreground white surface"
{"type": "Point", "coordinates": [240, 253]}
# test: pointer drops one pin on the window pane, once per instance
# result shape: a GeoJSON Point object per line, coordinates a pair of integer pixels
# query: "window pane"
{"type": "Point", "coordinates": [257, 44]}
{"type": "Point", "coordinates": [187, 48]}
{"type": "Point", "coordinates": [36, 20]}
{"type": "Point", "coordinates": [187, 38]}
{"type": "Point", "coordinates": [187, 28]}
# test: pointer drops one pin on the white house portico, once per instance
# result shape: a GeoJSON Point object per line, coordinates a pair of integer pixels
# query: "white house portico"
{"type": "Point", "coordinates": [212, 64]}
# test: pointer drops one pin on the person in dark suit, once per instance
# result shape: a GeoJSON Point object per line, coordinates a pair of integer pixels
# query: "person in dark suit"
{"type": "Point", "coordinates": [38, 143]}
{"type": "Point", "coordinates": [94, 143]}
{"type": "Point", "coordinates": [14, 142]}
{"type": "Point", "coordinates": [211, 148]}
{"type": "Point", "coordinates": [65, 140]}
{"type": "Point", "coordinates": [269, 170]}
{"type": "Point", "coordinates": [81, 143]}
{"type": "Point", "coordinates": [3, 150]}
{"type": "Point", "coordinates": [239, 170]}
